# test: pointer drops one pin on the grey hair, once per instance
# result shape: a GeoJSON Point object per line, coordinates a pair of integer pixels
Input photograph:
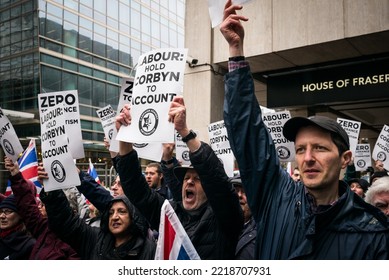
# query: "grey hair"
{"type": "Point", "coordinates": [379, 186]}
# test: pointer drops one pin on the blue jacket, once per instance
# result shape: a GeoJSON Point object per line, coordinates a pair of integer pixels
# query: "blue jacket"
{"type": "Point", "coordinates": [286, 226]}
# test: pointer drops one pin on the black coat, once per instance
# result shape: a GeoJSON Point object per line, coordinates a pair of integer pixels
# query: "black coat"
{"type": "Point", "coordinates": [214, 228]}
{"type": "Point", "coordinates": [93, 243]}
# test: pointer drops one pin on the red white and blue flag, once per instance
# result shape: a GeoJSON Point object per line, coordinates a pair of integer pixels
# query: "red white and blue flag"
{"type": "Point", "coordinates": [92, 172]}
{"type": "Point", "coordinates": [28, 166]}
{"type": "Point", "coordinates": [173, 241]}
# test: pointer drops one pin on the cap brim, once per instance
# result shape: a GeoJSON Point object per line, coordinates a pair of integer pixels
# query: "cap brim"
{"type": "Point", "coordinates": [180, 172]}
{"type": "Point", "coordinates": [293, 125]}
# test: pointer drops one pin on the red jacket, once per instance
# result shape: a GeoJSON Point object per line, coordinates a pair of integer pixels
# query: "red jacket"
{"type": "Point", "coordinates": [48, 246]}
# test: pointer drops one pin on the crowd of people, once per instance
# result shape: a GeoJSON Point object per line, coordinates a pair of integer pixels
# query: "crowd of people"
{"type": "Point", "coordinates": [263, 213]}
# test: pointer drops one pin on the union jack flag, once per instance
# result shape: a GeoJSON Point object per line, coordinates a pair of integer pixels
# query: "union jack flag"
{"type": "Point", "coordinates": [28, 166]}
{"type": "Point", "coordinates": [92, 172]}
{"type": "Point", "coordinates": [173, 241]}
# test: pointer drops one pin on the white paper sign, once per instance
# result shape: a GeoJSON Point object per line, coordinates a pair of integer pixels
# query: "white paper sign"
{"type": "Point", "coordinates": [151, 151]}
{"type": "Point", "coordinates": [69, 99]}
{"type": "Point", "coordinates": [56, 155]}
{"type": "Point", "coordinates": [159, 77]}
{"type": "Point", "coordinates": [107, 118]}
{"type": "Point", "coordinates": [125, 97]}
{"type": "Point", "coordinates": [362, 158]}
{"type": "Point", "coordinates": [216, 8]}
{"type": "Point", "coordinates": [381, 148]}
{"type": "Point", "coordinates": [182, 150]}
{"type": "Point", "coordinates": [352, 129]}
{"type": "Point", "coordinates": [221, 145]}
{"type": "Point", "coordinates": [8, 138]}
{"type": "Point", "coordinates": [275, 124]}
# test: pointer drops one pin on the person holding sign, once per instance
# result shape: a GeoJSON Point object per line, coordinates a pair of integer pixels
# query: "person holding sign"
{"type": "Point", "coordinates": [209, 209]}
{"type": "Point", "coordinates": [48, 246]}
{"type": "Point", "coordinates": [316, 218]}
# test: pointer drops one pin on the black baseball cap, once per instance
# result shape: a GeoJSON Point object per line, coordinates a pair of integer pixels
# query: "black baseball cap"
{"type": "Point", "coordinates": [293, 125]}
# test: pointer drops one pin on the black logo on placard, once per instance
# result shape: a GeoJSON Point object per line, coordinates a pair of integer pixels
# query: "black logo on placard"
{"type": "Point", "coordinates": [8, 147]}
{"type": "Point", "coordinates": [140, 145]}
{"type": "Point", "coordinates": [58, 171]}
{"type": "Point", "coordinates": [110, 134]}
{"type": "Point", "coordinates": [361, 163]}
{"type": "Point", "coordinates": [283, 152]}
{"type": "Point", "coordinates": [148, 122]}
{"type": "Point", "coordinates": [185, 155]}
{"type": "Point", "coordinates": [381, 156]}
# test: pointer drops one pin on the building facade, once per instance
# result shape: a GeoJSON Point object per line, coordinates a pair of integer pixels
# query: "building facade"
{"type": "Point", "coordinates": [84, 45]}
{"type": "Point", "coordinates": [309, 57]}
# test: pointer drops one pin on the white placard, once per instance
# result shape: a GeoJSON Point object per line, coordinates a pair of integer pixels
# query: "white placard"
{"type": "Point", "coordinates": [151, 151]}
{"type": "Point", "coordinates": [182, 150]}
{"type": "Point", "coordinates": [216, 8]}
{"type": "Point", "coordinates": [107, 117]}
{"type": "Point", "coordinates": [8, 138]}
{"type": "Point", "coordinates": [56, 154]}
{"type": "Point", "coordinates": [381, 148]}
{"type": "Point", "coordinates": [362, 158]}
{"type": "Point", "coordinates": [159, 77]}
{"type": "Point", "coordinates": [125, 97]}
{"type": "Point", "coordinates": [219, 142]}
{"type": "Point", "coordinates": [69, 99]}
{"type": "Point", "coordinates": [275, 124]}
{"type": "Point", "coordinates": [352, 129]}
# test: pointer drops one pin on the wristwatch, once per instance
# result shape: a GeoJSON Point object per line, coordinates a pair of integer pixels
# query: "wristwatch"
{"type": "Point", "coordinates": [190, 136]}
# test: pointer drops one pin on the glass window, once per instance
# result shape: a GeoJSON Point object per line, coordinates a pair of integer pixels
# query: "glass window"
{"type": "Point", "coordinates": [27, 6]}
{"type": "Point", "coordinates": [51, 79]}
{"type": "Point", "coordinates": [146, 25]}
{"type": "Point", "coordinates": [69, 81]}
{"type": "Point", "coordinates": [99, 45]}
{"type": "Point", "coordinates": [99, 29]}
{"type": "Point", "coordinates": [16, 34]}
{"type": "Point", "coordinates": [124, 13]}
{"type": "Point", "coordinates": [54, 10]}
{"type": "Point", "coordinates": [98, 90]}
{"type": "Point", "coordinates": [85, 70]}
{"type": "Point", "coordinates": [5, 15]}
{"type": "Point", "coordinates": [52, 46]}
{"type": "Point", "coordinates": [16, 11]}
{"type": "Point", "coordinates": [99, 74]}
{"type": "Point", "coordinates": [84, 10]}
{"type": "Point", "coordinates": [99, 61]}
{"type": "Point", "coordinates": [84, 56]}
{"type": "Point", "coordinates": [113, 95]}
{"type": "Point", "coordinates": [99, 16]}
{"type": "Point", "coordinates": [84, 90]}
{"type": "Point", "coordinates": [51, 60]}
{"type": "Point", "coordinates": [112, 11]}
{"type": "Point", "coordinates": [100, 6]}
{"type": "Point", "coordinates": [112, 23]}
{"type": "Point", "coordinates": [135, 19]}
{"type": "Point", "coordinates": [72, 4]}
{"type": "Point", "coordinates": [84, 40]}
{"type": "Point", "coordinates": [113, 79]}
{"type": "Point", "coordinates": [53, 30]}
{"type": "Point", "coordinates": [86, 124]}
{"type": "Point", "coordinates": [69, 65]}
{"type": "Point", "coordinates": [112, 66]}
{"type": "Point", "coordinates": [71, 17]}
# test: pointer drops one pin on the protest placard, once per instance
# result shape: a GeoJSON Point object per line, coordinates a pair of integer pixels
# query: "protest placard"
{"type": "Point", "coordinates": [182, 150]}
{"type": "Point", "coordinates": [275, 124]}
{"type": "Point", "coordinates": [381, 148]}
{"type": "Point", "coordinates": [8, 138]}
{"type": "Point", "coordinates": [56, 154]}
{"type": "Point", "coordinates": [159, 77]}
{"type": "Point", "coordinates": [362, 158]}
{"type": "Point", "coordinates": [352, 129]}
{"type": "Point", "coordinates": [221, 146]}
{"type": "Point", "coordinates": [125, 97]}
{"type": "Point", "coordinates": [107, 118]}
{"type": "Point", "coordinates": [69, 99]}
